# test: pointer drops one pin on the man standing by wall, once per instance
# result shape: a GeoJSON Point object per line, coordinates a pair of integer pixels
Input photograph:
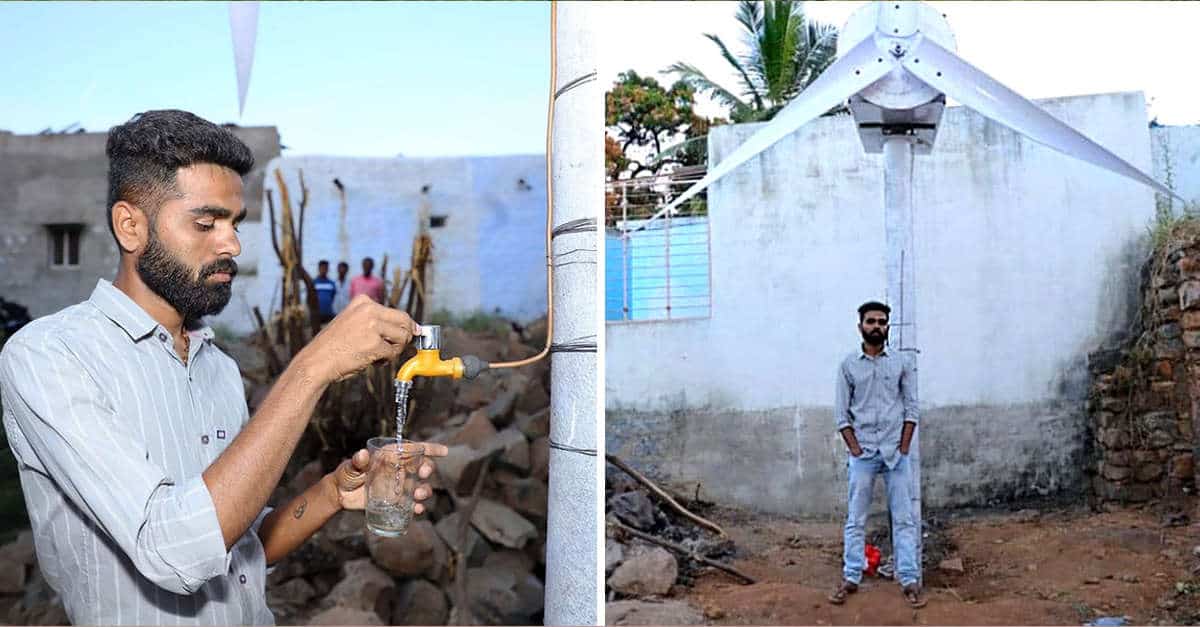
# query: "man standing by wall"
{"type": "Point", "coordinates": [876, 411]}
{"type": "Point", "coordinates": [372, 286]}
{"type": "Point", "coordinates": [326, 291]}
{"type": "Point", "coordinates": [145, 478]}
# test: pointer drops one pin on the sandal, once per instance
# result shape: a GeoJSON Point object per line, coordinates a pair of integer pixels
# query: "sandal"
{"type": "Point", "coordinates": [912, 594]}
{"type": "Point", "coordinates": [838, 597]}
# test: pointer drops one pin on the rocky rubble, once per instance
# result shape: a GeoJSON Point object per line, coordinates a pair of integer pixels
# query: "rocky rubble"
{"type": "Point", "coordinates": [346, 576]}
{"type": "Point", "coordinates": [639, 574]}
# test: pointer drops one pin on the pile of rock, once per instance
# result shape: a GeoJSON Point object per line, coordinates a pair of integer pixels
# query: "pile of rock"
{"type": "Point", "coordinates": [639, 573]}
{"type": "Point", "coordinates": [25, 597]}
{"type": "Point", "coordinates": [498, 423]}
{"type": "Point", "coordinates": [346, 576]}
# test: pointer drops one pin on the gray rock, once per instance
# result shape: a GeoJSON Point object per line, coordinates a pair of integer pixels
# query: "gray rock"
{"type": "Point", "coordinates": [517, 561]}
{"type": "Point", "coordinates": [460, 467]}
{"type": "Point", "coordinates": [477, 549]}
{"type": "Point", "coordinates": [652, 613]}
{"type": "Point", "coordinates": [290, 595]}
{"type": "Point", "coordinates": [614, 554]}
{"type": "Point", "coordinates": [346, 527]}
{"type": "Point", "coordinates": [533, 398]}
{"type": "Point", "coordinates": [516, 450]}
{"type": "Point", "coordinates": [539, 459]}
{"type": "Point", "coordinates": [419, 603]}
{"type": "Point", "coordinates": [477, 433]}
{"type": "Point", "coordinates": [954, 565]}
{"type": "Point", "coordinates": [420, 552]}
{"type": "Point", "coordinates": [364, 586]}
{"type": "Point", "coordinates": [500, 410]}
{"type": "Point", "coordinates": [499, 596]}
{"type": "Point", "coordinates": [345, 616]}
{"type": "Point", "coordinates": [528, 496]}
{"type": "Point", "coordinates": [645, 572]}
{"type": "Point", "coordinates": [501, 525]}
{"type": "Point", "coordinates": [634, 509]}
{"type": "Point", "coordinates": [535, 425]}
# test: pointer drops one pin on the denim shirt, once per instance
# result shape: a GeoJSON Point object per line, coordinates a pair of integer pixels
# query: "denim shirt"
{"type": "Point", "coordinates": [876, 396]}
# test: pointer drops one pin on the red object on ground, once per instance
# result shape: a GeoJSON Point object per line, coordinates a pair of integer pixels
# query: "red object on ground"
{"type": "Point", "coordinates": [872, 559]}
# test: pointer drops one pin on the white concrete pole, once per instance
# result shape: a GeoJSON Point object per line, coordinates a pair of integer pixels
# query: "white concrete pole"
{"type": "Point", "coordinates": [572, 555]}
{"type": "Point", "coordinates": [901, 281]}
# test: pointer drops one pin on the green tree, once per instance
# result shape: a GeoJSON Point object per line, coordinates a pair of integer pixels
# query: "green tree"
{"type": "Point", "coordinates": [787, 51]}
{"type": "Point", "coordinates": [645, 118]}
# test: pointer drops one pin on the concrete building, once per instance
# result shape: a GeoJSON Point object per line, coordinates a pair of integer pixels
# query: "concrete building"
{"type": "Point", "coordinates": [1027, 261]}
{"type": "Point", "coordinates": [55, 242]}
{"type": "Point", "coordinates": [487, 222]}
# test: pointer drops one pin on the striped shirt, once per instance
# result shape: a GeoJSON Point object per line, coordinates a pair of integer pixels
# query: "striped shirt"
{"type": "Point", "coordinates": [876, 396]}
{"type": "Point", "coordinates": [111, 432]}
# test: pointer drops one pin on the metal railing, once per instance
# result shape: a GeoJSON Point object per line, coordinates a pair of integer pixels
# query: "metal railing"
{"type": "Point", "coordinates": [656, 270]}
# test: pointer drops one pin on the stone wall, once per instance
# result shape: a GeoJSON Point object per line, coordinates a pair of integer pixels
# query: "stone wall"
{"type": "Point", "coordinates": [1146, 389]}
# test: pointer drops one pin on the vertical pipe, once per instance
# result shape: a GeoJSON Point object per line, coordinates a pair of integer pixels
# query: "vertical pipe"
{"type": "Point", "coordinates": [626, 265]}
{"type": "Point", "coordinates": [901, 280]}
{"type": "Point", "coordinates": [667, 262]}
{"type": "Point", "coordinates": [572, 560]}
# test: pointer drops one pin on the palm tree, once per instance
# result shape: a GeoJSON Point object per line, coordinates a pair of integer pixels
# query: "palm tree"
{"type": "Point", "coordinates": [787, 52]}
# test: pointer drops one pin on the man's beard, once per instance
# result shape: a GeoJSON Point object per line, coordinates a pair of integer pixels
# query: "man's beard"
{"type": "Point", "coordinates": [875, 338]}
{"type": "Point", "coordinates": [171, 279]}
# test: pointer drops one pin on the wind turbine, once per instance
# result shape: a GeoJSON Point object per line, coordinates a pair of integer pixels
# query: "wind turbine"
{"type": "Point", "coordinates": [896, 65]}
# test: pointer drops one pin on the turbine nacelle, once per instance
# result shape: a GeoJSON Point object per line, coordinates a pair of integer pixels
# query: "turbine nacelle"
{"type": "Point", "coordinates": [899, 104]}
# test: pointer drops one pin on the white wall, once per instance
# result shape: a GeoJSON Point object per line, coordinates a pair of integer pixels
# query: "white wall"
{"type": "Point", "coordinates": [488, 256]}
{"type": "Point", "coordinates": [1176, 149]}
{"type": "Point", "coordinates": [1027, 261]}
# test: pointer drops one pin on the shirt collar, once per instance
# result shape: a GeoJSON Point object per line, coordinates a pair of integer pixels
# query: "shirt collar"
{"type": "Point", "coordinates": [130, 316]}
{"type": "Point", "coordinates": [862, 354]}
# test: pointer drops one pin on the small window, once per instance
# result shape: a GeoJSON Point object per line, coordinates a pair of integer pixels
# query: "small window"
{"type": "Point", "coordinates": [437, 222]}
{"type": "Point", "coordinates": [64, 245]}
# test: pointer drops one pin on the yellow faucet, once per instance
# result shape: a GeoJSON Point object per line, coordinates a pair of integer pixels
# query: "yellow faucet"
{"type": "Point", "coordinates": [428, 361]}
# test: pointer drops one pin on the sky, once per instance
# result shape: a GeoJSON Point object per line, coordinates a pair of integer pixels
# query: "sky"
{"type": "Point", "coordinates": [442, 79]}
{"type": "Point", "coordinates": [1040, 49]}
{"type": "Point", "coordinates": [351, 79]}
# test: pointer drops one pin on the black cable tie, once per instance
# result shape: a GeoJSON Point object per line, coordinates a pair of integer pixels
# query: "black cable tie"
{"type": "Point", "coordinates": [590, 76]}
{"type": "Point", "coordinates": [590, 452]}
{"type": "Point", "coordinates": [582, 225]}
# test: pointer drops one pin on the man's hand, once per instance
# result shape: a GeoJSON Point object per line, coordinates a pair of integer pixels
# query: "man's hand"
{"type": "Point", "coordinates": [363, 333]}
{"type": "Point", "coordinates": [350, 478]}
{"type": "Point", "coordinates": [906, 436]}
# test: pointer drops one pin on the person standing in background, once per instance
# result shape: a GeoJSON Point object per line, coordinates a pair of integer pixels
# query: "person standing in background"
{"type": "Point", "coordinates": [342, 297]}
{"type": "Point", "coordinates": [326, 291]}
{"type": "Point", "coordinates": [372, 286]}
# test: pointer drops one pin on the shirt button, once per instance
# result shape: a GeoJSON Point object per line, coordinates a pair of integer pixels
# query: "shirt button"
{"type": "Point", "coordinates": [204, 439]}
{"type": "Point", "coordinates": [162, 337]}
{"type": "Point", "coordinates": [242, 578]}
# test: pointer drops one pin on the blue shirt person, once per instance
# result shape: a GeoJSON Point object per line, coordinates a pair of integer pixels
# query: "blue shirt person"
{"type": "Point", "coordinates": [876, 412]}
{"type": "Point", "coordinates": [326, 291]}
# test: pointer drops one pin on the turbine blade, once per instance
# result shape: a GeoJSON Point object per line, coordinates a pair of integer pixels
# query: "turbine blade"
{"type": "Point", "coordinates": [862, 65]}
{"type": "Point", "coordinates": [243, 23]}
{"type": "Point", "coordinates": [947, 72]}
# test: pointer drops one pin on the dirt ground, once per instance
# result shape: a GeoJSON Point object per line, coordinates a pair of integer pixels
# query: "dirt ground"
{"type": "Point", "coordinates": [1027, 567]}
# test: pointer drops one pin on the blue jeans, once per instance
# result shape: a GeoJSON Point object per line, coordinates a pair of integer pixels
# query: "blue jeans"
{"type": "Point", "coordinates": [899, 488]}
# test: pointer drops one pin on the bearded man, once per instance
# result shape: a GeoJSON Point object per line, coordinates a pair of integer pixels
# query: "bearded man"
{"type": "Point", "coordinates": [876, 411]}
{"type": "Point", "coordinates": [145, 478]}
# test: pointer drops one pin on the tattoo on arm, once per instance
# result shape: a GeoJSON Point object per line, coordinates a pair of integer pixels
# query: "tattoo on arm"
{"type": "Point", "coordinates": [300, 509]}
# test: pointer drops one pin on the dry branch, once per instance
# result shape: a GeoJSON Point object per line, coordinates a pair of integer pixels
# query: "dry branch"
{"type": "Point", "coordinates": [660, 493]}
{"type": "Point", "coordinates": [684, 551]}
